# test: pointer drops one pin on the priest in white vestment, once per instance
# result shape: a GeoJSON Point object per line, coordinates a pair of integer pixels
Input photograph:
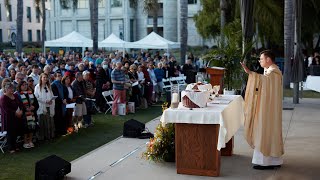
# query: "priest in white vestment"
{"type": "Point", "coordinates": [263, 113]}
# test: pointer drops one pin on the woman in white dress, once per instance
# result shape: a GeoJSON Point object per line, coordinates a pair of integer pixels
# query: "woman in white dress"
{"type": "Point", "coordinates": [44, 94]}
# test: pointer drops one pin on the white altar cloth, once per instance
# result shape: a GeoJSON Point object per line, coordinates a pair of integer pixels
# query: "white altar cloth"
{"type": "Point", "coordinates": [226, 110]}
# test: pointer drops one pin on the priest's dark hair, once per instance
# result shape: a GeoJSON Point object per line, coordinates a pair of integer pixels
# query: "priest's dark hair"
{"type": "Point", "coordinates": [269, 54]}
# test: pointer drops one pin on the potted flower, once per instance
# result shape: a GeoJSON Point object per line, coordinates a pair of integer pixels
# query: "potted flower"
{"type": "Point", "coordinates": [162, 146]}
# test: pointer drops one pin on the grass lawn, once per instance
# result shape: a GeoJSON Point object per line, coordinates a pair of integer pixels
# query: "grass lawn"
{"type": "Point", "coordinates": [21, 165]}
{"type": "Point", "coordinates": [305, 94]}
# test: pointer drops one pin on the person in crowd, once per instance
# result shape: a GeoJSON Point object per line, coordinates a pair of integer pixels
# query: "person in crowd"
{"type": "Point", "coordinates": [80, 96]}
{"type": "Point", "coordinates": [68, 92]}
{"type": "Point", "coordinates": [62, 68]}
{"type": "Point", "coordinates": [35, 74]}
{"type": "Point", "coordinates": [19, 77]}
{"type": "Point", "coordinates": [159, 72]}
{"type": "Point", "coordinates": [102, 84]}
{"type": "Point", "coordinates": [165, 70]}
{"type": "Point", "coordinates": [5, 80]}
{"type": "Point", "coordinates": [60, 105]}
{"type": "Point", "coordinates": [90, 93]}
{"type": "Point", "coordinates": [148, 85]}
{"type": "Point", "coordinates": [119, 93]}
{"type": "Point", "coordinates": [30, 107]}
{"type": "Point", "coordinates": [141, 79]}
{"type": "Point", "coordinates": [11, 114]}
{"type": "Point", "coordinates": [71, 71]}
{"type": "Point", "coordinates": [42, 63]}
{"type": "Point", "coordinates": [172, 66]}
{"type": "Point", "coordinates": [12, 74]}
{"type": "Point", "coordinates": [2, 74]}
{"type": "Point", "coordinates": [263, 121]}
{"type": "Point", "coordinates": [189, 71]}
{"type": "Point", "coordinates": [30, 82]}
{"type": "Point", "coordinates": [133, 76]}
{"type": "Point", "coordinates": [153, 83]}
{"type": "Point", "coordinates": [44, 95]}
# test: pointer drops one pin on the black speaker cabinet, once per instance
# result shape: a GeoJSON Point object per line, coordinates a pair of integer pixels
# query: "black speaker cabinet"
{"type": "Point", "coordinates": [133, 128]}
{"type": "Point", "coordinates": [52, 168]}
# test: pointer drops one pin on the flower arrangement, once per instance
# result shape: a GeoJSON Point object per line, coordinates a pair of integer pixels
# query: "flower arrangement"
{"type": "Point", "coordinates": [162, 146]}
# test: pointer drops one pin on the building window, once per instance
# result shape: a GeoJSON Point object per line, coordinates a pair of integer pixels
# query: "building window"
{"type": "Point", "coordinates": [38, 14]}
{"type": "Point", "coordinates": [101, 4]}
{"type": "Point", "coordinates": [192, 1]}
{"type": "Point", "coordinates": [1, 40]}
{"type": "Point", "coordinates": [30, 35]}
{"type": "Point", "coordinates": [9, 13]}
{"type": "Point", "coordinates": [131, 30]}
{"type": "Point", "coordinates": [29, 14]}
{"type": "Point", "coordinates": [38, 35]}
{"type": "Point", "coordinates": [116, 3]}
{"type": "Point", "coordinates": [83, 4]}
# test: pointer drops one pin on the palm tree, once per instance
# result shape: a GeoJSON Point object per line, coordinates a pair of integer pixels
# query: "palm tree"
{"type": "Point", "coordinates": [43, 14]}
{"type": "Point", "coordinates": [288, 41]}
{"type": "Point", "coordinates": [247, 24]}
{"type": "Point", "coordinates": [94, 23]}
{"type": "Point", "coordinates": [183, 29]}
{"type": "Point", "coordinates": [223, 18]}
{"type": "Point", "coordinates": [19, 39]}
{"type": "Point", "coordinates": [151, 7]}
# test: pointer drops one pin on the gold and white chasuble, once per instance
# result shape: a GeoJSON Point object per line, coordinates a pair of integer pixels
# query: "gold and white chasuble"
{"type": "Point", "coordinates": [263, 116]}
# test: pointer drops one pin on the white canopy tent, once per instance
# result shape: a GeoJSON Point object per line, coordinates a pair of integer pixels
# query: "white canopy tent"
{"type": "Point", "coordinates": [113, 41]}
{"type": "Point", "coordinates": [154, 41]}
{"type": "Point", "coordinates": [73, 39]}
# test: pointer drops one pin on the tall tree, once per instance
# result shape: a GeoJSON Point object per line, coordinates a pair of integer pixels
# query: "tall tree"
{"type": "Point", "coordinates": [310, 22]}
{"type": "Point", "coordinates": [41, 6]}
{"type": "Point", "coordinates": [150, 7]}
{"type": "Point", "coordinates": [288, 41]}
{"type": "Point", "coordinates": [246, 23]}
{"type": "Point", "coordinates": [267, 14]}
{"type": "Point", "coordinates": [19, 40]}
{"type": "Point", "coordinates": [94, 23]}
{"type": "Point", "coordinates": [183, 29]}
{"type": "Point", "coordinates": [223, 18]}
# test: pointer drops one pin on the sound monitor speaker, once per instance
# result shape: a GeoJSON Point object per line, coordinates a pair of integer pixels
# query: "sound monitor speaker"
{"type": "Point", "coordinates": [133, 128]}
{"type": "Point", "coordinates": [52, 168]}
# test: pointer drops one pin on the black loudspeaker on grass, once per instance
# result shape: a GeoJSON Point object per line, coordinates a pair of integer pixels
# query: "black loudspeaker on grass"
{"type": "Point", "coordinates": [52, 168]}
{"type": "Point", "coordinates": [135, 129]}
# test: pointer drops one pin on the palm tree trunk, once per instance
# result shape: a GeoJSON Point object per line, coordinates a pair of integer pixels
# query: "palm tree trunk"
{"type": "Point", "coordinates": [223, 18]}
{"type": "Point", "coordinates": [94, 24]}
{"type": "Point", "coordinates": [155, 21]}
{"type": "Point", "coordinates": [288, 41]}
{"type": "Point", "coordinates": [44, 18]}
{"type": "Point", "coordinates": [19, 39]}
{"type": "Point", "coordinates": [183, 29]}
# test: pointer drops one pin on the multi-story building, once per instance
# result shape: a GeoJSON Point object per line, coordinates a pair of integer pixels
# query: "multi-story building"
{"type": "Point", "coordinates": [123, 18]}
{"type": "Point", "coordinates": [32, 21]}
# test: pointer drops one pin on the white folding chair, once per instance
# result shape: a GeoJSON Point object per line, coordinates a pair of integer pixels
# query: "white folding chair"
{"type": "Point", "coordinates": [167, 84]}
{"type": "Point", "coordinates": [181, 82]}
{"type": "Point", "coordinates": [3, 138]}
{"type": "Point", "coordinates": [108, 96]}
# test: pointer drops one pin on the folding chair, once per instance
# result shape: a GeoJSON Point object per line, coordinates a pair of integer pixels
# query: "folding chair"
{"type": "Point", "coordinates": [181, 82]}
{"type": "Point", "coordinates": [3, 138]}
{"type": "Point", "coordinates": [166, 84]}
{"type": "Point", "coordinates": [108, 96]}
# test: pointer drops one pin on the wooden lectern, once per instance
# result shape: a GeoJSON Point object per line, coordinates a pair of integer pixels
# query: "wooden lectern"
{"type": "Point", "coordinates": [216, 76]}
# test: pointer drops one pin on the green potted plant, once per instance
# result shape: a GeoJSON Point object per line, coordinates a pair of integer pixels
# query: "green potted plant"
{"type": "Point", "coordinates": [162, 146]}
{"type": "Point", "coordinates": [228, 55]}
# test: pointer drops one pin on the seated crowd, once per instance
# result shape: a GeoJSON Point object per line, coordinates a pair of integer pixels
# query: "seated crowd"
{"type": "Point", "coordinates": [36, 89]}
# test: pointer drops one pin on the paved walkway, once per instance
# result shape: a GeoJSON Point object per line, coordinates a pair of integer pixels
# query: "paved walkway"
{"type": "Point", "coordinates": [121, 158]}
